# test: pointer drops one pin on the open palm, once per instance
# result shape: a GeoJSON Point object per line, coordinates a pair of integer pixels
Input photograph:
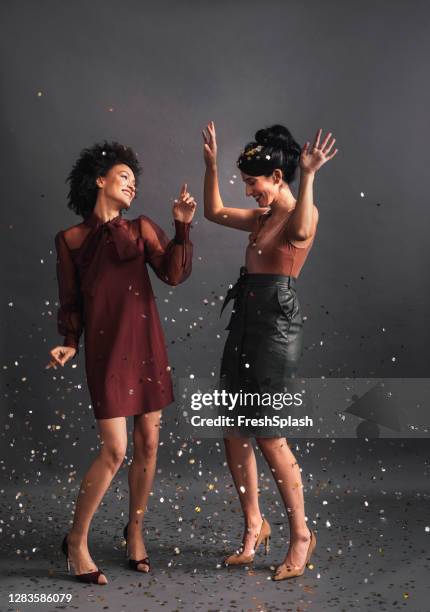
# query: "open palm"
{"type": "Point", "coordinates": [210, 145]}
{"type": "Point", "coordinates": [311, 159]}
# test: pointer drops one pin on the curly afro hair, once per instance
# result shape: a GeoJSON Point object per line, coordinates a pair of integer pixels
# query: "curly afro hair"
{"type": "Point", "coordinates": [92, 163]}
{"type": "Point", "coordinates": [273, 147]}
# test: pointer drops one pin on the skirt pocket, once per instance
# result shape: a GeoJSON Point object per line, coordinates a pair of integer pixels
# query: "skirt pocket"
{"type": "Point", "coordinates": [286, 300]}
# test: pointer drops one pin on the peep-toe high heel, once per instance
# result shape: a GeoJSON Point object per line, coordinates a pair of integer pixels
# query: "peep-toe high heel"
{"type": "Point", "coordinates": [92, 577]}
{"type": "Point", "coordinates": [133, 563]}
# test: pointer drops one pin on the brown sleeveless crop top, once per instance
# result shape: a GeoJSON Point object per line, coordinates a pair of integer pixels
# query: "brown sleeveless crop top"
{"type": "Point", "coordinates": [270, 252]}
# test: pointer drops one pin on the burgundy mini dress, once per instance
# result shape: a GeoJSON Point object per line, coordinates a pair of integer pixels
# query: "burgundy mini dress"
{"type": "Point", "coordinates": [105, 291]}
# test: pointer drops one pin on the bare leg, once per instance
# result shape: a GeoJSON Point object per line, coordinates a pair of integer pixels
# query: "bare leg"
{"type": "Point", "coordinates": [113, 434]}
{"type": "Point", "coordinates": [286, 473]}
{"type": "Point", "coordinates": [140, 479]}
{"type": "Point", "coordinates": [243, 467]}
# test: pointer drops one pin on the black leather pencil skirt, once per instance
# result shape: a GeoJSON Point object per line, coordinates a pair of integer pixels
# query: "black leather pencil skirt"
{"type": "Point", "coordinates": [262, 350]}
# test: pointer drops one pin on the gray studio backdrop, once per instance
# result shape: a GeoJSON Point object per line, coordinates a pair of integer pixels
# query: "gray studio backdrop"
{"type": "Point", "coordinates": [152, 75]}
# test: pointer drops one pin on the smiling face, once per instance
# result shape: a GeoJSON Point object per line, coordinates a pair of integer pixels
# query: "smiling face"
{"type": "Point", "coordinates": [119, 184]}
{"type": "Point", "coordinates": [264, 189]}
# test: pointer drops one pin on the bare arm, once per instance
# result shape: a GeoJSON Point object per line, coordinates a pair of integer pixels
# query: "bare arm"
{"type": "Point", "coordinates": [304, 219]}
{"type": "Point", "coordinates": [214, 209]}
{"type": "Point", "coordinates": [238, 218]}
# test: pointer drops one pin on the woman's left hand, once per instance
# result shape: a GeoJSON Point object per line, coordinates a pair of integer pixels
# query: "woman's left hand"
{"type": "Point", "coordinates": [312, 159]}
{"type": "Point", "coordinates": [184, 207]}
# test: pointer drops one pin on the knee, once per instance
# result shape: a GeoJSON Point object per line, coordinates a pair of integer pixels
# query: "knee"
{"type": "Point", "coordinates": [150, 447]}
{"type": "Point", "coordinates": [146, 447]}
{"type": "Point", "coordinates": [114, 454]}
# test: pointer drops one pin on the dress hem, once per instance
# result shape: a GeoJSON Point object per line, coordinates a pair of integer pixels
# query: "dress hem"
{"type": "Point", "coordinates": [115, 416]}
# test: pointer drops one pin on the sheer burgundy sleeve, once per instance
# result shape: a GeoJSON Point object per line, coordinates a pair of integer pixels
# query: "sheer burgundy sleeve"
{"type": "Point", "coordinates": [69, 314]}
{"type": "Point", "coordinates": [170, 260]}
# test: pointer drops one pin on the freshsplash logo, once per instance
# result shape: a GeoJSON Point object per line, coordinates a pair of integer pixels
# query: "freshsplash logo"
{"type": "Point", "coordinates": [242, 420]}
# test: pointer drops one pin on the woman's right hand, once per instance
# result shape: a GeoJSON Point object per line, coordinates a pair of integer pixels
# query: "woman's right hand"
{"type": "Point", "coordinates": [60, 355]}
{"type": "Point", "coordinates": [210, 146]}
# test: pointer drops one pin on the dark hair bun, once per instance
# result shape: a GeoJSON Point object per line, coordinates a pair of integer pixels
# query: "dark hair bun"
{"type": "Point", "coordinates": [277, 149]}
{"type": "Point", "coordinates": [276, 136]}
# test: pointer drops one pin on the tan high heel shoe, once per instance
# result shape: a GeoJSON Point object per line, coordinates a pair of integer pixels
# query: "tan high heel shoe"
{"type": "Point", "coordinates": [285, 571]}
{"type": "Point", "coordinates": [241, 559]}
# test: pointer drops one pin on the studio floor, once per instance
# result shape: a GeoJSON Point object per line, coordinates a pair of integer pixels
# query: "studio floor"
{"type": "Point", "coordinates": [368, 502]}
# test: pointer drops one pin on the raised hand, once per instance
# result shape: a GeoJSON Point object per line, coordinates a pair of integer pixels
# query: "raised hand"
{"type": "Point", "coordinates": [311, 159]}
{"type": "Point", "coordinates": [210, 146]}
{"type": "Point", "coordinates": [60, 355]}
{"type": "Point", "coordinates": [184, 207]}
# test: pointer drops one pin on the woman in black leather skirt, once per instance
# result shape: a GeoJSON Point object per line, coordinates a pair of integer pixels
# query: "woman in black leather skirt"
{"type": "Point", "coordinates": [264, 344]}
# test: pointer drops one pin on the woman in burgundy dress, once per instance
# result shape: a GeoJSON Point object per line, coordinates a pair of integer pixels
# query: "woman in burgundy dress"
{"type": "Point", "coordinates": [105, 289]}
{"type": "Point", "coordinates": [263, 347]}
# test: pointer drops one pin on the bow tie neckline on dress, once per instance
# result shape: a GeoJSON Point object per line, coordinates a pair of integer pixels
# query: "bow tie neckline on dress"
{"type": "Point", "coordinates": [90, 254]}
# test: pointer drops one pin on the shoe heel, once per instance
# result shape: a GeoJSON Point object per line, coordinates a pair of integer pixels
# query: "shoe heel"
{"type": "Point", "coordinates": [312, 546]}
{"type": "Point", "coordinates": [65, 550]}
{"type": "Point", "coordinates": [267, 545]}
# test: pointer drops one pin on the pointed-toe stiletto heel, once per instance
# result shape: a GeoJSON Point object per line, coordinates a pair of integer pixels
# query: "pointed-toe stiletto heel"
{"type": "Point", "coordinates": [285, 571]}
{"type": "Point", "coordinates": [92, 577]}
{"type": "Point", "coordinates": [263, 536]}
{"type": "Point", "coordinates": [133, 563]}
